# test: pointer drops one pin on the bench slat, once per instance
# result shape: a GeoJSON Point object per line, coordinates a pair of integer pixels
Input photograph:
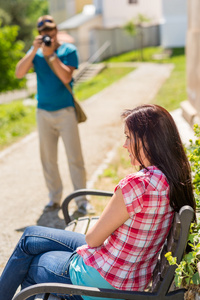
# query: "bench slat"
{"type": "Point", "coordinates": [71, 226]}
{"type": "Point", "coordinates": [82, 225]}
{"type": "Point", "coordinates": [93, 220]}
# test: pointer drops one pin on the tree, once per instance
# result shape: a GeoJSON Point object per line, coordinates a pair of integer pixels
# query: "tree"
{"type": "Point", "coordinates": [24, 14]}
{"type": "Point", "coordinates": [10, 53]}
{"type": "Point", "coordinates": [135, 28]}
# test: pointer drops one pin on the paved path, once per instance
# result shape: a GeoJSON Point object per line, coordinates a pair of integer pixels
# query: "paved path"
{"type": "Point", "coordinates": [23, 191]}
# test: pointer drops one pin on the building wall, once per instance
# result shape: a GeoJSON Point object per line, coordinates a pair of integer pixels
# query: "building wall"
{"type": "Point", "coordinates": [81, 36]}
{"type": "Point", "coordinates": [80, 3]}
{"type": "Point", "coordinates": [174, 23]}
{"type": "Point", "coordinates": [120, 42]}
{"type": "Point", "coordinates": [118, 12]}
{"type": "Point", "coordinates": [191, 107]}
{"type": "Point", "coordinates": [62, 9]}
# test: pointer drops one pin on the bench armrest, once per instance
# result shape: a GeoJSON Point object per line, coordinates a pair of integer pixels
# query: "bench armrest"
{"type": "Point", "coordinates": [68, 289]}
{"type": "Point", "coordinates": [78, 193]}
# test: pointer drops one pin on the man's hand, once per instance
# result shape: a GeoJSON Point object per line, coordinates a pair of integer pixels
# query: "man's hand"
{"type": "Point", "coordinates": [49, 50]}
{"type": "Point", "coordinates": [37, 43]}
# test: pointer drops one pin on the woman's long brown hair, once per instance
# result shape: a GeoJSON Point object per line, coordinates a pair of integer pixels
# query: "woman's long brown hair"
{"type": "Point", "coordinates": [154, 127]}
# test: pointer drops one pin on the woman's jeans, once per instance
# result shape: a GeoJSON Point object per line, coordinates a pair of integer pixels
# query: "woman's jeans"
{"type": "Point", "coordinates": [42, 255]}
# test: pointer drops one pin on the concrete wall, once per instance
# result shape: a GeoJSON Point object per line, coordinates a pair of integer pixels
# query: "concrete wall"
{"type": "Point", "coordinates": [62, 9]}
{"type": "Point", "coordinates": [81, 3]}
{"type": "Point", "coordinates": [191, 107]}
{"type": "Point", "coordinates": [121, 42]}
{"type": "Point", "coordinates": [118, 12]}
{"type": "Point", "coordinates": [174, 23]}
{"type": "Point", "coordinates": [81, 36]}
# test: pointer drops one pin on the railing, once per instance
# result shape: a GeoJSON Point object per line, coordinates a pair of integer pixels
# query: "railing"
{"type": "Point", "coordinates": [91, 60]}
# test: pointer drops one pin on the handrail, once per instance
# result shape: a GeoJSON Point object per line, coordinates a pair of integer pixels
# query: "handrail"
{"type": "Point", "coordinates": [92, 59]}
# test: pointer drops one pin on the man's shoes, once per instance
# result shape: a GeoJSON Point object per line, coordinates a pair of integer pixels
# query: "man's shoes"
{"type": "Point", "coordinates": [51, 206]}
{"type": "Point", "coordinates": [86, 208]}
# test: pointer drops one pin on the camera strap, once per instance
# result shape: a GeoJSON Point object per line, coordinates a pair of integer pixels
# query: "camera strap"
{"type": "Point", "coordinates": [80, 114]}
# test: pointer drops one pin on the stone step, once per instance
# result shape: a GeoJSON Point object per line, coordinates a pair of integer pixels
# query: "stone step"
{"type": "Point", "coordinates": [89, 72]}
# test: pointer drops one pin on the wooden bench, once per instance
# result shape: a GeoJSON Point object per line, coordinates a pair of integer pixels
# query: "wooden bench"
{"type": "Point", "coordinates": [163, 274]}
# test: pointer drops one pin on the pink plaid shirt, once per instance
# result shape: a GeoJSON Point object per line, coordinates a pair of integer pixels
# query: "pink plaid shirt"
{"type": "Point", "coordinates": [127, 258]}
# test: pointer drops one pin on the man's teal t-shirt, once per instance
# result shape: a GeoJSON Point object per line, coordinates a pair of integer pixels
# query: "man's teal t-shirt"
{"type": "Point", "coordinates": [52, 94]}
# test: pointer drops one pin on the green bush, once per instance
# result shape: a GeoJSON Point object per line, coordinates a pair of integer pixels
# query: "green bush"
{"type": "Point", "coordinates": [194, 157]}
{"type": "Point", "coordinates": [16, 120]}
{"type": "Point", "coordinates": [10, 54]}
{"type": "Point", "coordinates": [187, 274]}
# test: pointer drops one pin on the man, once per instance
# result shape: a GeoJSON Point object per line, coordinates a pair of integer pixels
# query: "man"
{"type": "Point", "coordinates": [55, 110]}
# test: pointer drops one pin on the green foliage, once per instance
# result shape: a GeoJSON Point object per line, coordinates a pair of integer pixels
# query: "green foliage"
{"type": "Point", "coordinates": [5, 18]}
{"type": "Point", "coordinates": [130, 28]}
{"type": "Point", "coordinates": [16, 120]}
{"type": "Point", "coordinates": [194, 157]}
{"type": "Point", "coordinates": [10, 54]}
{"type": "Point", "coordinates": [135, 27]}
{"type": "Point", "coordinates": [186, 273]}
{"type": "Point", "coordinates": [23, 13]}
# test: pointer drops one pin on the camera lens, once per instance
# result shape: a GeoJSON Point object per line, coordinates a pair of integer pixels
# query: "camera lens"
{"type": "Point", "coordinates": [46, 40]}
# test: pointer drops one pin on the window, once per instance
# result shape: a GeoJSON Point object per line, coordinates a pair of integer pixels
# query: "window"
{"type": "Point", "coordinates": [132, 1]}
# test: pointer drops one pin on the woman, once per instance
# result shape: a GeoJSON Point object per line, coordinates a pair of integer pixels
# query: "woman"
{"type": "Point", "coordinates": [120, 251]}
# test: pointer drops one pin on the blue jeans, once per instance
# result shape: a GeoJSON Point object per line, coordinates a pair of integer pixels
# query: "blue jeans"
{"type": "Point", "coordinates": [42, 255]}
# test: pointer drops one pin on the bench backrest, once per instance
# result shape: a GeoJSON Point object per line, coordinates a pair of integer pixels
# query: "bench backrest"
{"type": "Point", "coordinates": [176, 243]}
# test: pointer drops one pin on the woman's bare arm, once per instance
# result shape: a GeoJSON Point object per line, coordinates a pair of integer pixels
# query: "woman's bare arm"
{"type": "Point", "coordinates": [114, 215]}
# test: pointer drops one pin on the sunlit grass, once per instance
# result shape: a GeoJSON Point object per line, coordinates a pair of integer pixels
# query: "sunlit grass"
{"type": "Point", "coordinates": [99, 82]}
{"type": "Point", "coordinates": [16, 120]}
{"type": "Point", "coordinates": [173, 91]}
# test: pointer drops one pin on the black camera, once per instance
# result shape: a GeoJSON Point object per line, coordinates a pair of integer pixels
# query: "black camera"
{"type": "Point", "coordinates": [46, 40]}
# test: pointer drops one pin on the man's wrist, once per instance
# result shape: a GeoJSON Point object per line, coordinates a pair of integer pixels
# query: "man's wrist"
{"type": "Point", "coordinates": [52, 57]}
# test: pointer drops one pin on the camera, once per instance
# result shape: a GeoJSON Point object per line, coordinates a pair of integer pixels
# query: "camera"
{"type": "Point", "coordinates": [46, 40]}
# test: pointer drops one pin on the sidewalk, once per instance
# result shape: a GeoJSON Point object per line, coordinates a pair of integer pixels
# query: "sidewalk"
{"type": "Point", "coordinates": [23, 191]}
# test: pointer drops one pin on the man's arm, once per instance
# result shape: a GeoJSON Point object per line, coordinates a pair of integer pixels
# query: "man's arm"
{"type": "Point", "coordinates": [26, 63]}
{"type": "Point", "coordinates": [63, 72]}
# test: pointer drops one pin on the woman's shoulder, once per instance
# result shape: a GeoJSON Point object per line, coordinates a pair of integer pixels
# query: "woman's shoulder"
{"type": "Point", "coordinates": [150, 176]}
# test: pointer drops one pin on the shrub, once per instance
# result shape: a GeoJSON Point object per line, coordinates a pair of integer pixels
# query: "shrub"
{"type": "Point", "coordinates": [187, 273]}
{"type": "Point", "coordinates": [10, 54]}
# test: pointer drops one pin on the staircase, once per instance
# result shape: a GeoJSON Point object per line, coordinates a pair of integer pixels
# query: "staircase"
{"type": "Point", "coordinates": [86, 72]}
{"type": "Point", "coordinates": [88, 69]}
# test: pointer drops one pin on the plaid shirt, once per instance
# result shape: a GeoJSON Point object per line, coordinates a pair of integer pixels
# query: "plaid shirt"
{"type": "Point", "coordinates": [127, 258]}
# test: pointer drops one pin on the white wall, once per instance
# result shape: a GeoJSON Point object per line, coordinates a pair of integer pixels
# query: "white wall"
{"type": "Point", "coordinates": [174, 23]}
{"type": "Point", "coordinates": [120, 42]}
{"type": "Point", "coordinates": [118, 12]}
{"type": "Point", "coordinates": [62, 9]}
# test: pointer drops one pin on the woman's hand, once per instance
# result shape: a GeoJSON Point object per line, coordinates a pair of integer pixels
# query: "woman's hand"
{"type": "Point", "coordinates": [114, 215]}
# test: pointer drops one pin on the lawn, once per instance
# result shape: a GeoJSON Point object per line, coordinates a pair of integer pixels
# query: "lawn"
{"type": "Point", "coordinates": [17, 120]}
{"type": "Point", "coordinates": [173, 91]}
{"type": "Point", "coordinates": [108, 76]}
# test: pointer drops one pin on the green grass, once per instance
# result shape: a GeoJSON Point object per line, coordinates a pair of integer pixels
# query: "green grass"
{"type": "Point", "coordinates": [102, 80]}
{"type": "Point", "coordinates": [134, 56]}
{"type": "Point", "coordinates": [16, 121]}
{"type": "Point", "coordinates": [173, 91]}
